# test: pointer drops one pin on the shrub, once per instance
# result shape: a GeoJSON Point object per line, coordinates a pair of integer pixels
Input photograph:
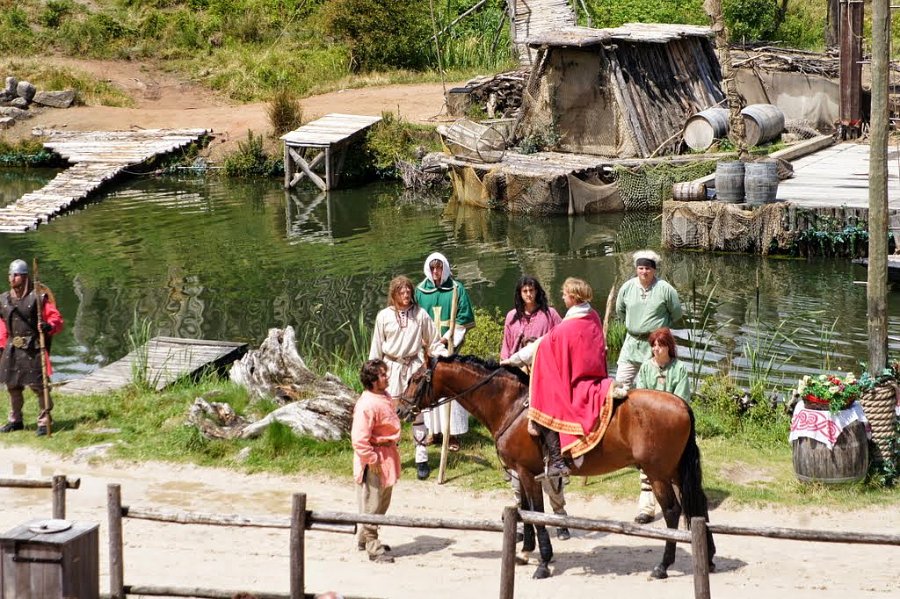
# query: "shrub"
{"type": "Point", "coordinates": [55, 12]}
{"type": "Point", "coordinates": [485, 339]}
{"type": "Point", "coordinates": [394, 139]}
{"type": "Point", "coordinates": [250, 159]}
{"type": "Point", "coordinates": [750, 19]}
{"type": "Point", "coordinates": [381, 34]}
{"type": "Point", "coordinates": [284, 111]}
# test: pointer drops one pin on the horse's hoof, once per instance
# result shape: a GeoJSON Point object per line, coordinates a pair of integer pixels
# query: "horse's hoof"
{"type": "Point", "coordinates": [521, 561]}
{"type": "Point", "coordinates": [542, 572]}
{"type": "Point", "coordinates": [712, 566]}
{"type": "Point", "coordinates": [659, 573]}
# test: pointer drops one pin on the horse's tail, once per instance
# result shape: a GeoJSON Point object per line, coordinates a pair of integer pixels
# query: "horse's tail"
{"type": "Point", "coordinates": [693, 499]}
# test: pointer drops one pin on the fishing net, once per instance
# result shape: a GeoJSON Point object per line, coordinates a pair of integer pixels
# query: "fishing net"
{"type": "Point", "coordinates": [723, 227]}
{"type": "Point", "coordinates": [646, 188]}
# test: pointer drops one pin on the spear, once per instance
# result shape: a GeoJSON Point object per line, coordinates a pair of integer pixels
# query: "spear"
{"type": "Point", "coordinates": [45, 396]}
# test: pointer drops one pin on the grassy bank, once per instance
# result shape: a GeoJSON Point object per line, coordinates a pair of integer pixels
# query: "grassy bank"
{"type": "Point", "coordinates": [746, 455]}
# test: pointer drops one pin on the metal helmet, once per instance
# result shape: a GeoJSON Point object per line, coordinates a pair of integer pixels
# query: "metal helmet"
{"type": "Point", "coordinates": [18, 267]}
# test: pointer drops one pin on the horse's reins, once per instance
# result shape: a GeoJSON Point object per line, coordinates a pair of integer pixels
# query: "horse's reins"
{"type": "Point", "coordinates": [414, 407]}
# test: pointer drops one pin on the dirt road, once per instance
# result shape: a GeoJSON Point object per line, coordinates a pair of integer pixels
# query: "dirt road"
{"type": "Point", "coordinates": [434, 563]}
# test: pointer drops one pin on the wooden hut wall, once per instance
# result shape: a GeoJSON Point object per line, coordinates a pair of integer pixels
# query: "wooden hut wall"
{"type": "Point", "coordinates": [659, 86]}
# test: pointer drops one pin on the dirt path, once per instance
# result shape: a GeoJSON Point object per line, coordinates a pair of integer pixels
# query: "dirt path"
{"type": "Point", "coordinates": [433, 563]}
{"type": "Point", "coordinates": [162, 101]}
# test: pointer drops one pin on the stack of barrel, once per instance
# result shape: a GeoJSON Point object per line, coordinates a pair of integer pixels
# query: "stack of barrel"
{"type": "Point", "coordinates": [736, 181]}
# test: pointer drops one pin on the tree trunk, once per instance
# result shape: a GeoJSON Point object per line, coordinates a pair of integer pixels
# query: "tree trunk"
{"type": "Point", "coordinates": [713, 10]}
{"type": "Point", "coordinates": [878, 200]}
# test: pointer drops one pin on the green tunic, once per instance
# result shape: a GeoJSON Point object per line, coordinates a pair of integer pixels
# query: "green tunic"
{"type": "Point", "coordinates": [673, 378]}
{"type": "Point", "coordinates": [660, 307]}
{"type": "Point", "coordinates": [429, 297]}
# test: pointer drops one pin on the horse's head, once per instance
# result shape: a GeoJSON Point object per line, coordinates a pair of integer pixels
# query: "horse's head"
{"type": "Point", "coordinates": [418, 394]}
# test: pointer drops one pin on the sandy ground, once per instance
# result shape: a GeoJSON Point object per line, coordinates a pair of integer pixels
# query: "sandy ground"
{"type": "Point", "coordinates": [436, 563]}
{"type": "Point", "coordinates": [162, 101]}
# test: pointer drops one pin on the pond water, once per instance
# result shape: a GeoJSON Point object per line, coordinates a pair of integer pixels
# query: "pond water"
{"type": "Point", "coordinates": [217, 259]}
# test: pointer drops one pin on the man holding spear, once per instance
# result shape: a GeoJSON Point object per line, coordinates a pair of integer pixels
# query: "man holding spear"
{"type": "Point", "coordinates": [27, 321]}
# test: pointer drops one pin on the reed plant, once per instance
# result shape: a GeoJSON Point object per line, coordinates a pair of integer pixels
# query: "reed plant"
{"type": "Point", "coordinates": [284, 112]}
{"type": "Point", "coordinates": [139, 336]}
{"type": "Point", "coordinates": [700, 318]}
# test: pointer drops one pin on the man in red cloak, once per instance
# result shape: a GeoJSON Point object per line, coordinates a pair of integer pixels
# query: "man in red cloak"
{"type": "Point", "coordinates": [569, 383]}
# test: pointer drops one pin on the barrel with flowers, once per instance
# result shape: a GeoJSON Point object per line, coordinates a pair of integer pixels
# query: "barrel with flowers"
{"type": "Point", "coordinates": [829, 430]}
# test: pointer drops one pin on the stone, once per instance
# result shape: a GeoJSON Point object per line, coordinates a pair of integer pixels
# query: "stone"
{"type": "Point", "coordinates": [56, 99]}
{"type": "Point", "coordinates": [13, 112]}
{"type": "Point", "coordinates": [25, 90]}
{"type": "Point", "coordinates": [6, 122]}
{"type": "Point", "coordinates": [11, 83]}
{"type": "Point", "coordinates": [19, 103]}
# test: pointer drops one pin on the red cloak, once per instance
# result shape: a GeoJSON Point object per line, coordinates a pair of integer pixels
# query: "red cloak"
{"type": "Point", "coordinates": [569, 383]}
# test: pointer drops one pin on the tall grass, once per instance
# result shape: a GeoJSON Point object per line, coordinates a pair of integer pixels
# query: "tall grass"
{"type": "Point", "coordinates": [138, 342]}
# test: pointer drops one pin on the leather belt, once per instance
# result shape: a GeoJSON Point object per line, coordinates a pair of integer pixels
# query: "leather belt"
{"type": "Point", "coordinates": [385, 444]}
{"type": "Point", "coordinates": [640, 336]}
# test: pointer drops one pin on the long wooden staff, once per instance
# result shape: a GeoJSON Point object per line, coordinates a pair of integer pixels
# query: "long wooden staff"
{"type": "Point", "coordinates": [446, 408]}
{"type": "Point", "coordinates": [45, 396]}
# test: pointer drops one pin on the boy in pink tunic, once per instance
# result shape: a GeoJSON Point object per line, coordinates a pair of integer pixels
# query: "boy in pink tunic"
{"type": "Point", "coordinates": [376, 461]}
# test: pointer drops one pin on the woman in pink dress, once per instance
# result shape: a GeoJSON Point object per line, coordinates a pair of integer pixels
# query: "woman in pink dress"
{"type": "Point", "coordinates": [531, 318]}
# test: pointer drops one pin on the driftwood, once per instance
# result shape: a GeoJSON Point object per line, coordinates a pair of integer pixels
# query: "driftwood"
{"type": "Point", "coordinates": [499, 95]}
{"type": "Point", "coordinates": [314, 406]}
{"type": "Point", "coordinates": [215, 420]}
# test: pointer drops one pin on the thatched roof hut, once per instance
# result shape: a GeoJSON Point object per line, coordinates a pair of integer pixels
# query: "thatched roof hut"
{"type": "Point", "coordinates": [622, 92]}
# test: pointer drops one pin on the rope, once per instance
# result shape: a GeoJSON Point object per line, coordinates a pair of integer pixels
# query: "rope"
{"type": "Point", "coordinates": [878, 405]}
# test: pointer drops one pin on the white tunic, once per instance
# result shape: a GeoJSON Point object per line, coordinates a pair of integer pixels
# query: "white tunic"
{"type": "Point", "coordinates": [399, 339]}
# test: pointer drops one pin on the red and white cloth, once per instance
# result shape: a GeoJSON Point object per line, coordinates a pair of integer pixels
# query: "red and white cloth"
{"type": "Point", "coordinates": [825, 426]}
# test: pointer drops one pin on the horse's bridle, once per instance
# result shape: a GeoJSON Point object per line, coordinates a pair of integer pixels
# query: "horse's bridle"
{"type": "Point", "coordinates": [414, 406]}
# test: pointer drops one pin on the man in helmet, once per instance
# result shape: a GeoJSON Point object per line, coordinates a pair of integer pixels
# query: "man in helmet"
{"type": "Point", "coordinates": [20, 360]}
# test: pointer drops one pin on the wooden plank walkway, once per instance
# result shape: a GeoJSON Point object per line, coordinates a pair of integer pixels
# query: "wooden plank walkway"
{"type": "Point", "coordinates": [168, 359]}
{"type": "Point", "coordinates": [98, 157]}
{"type": "Point", "coordinates": [322, 138]}
{"type": "Point", "coordinates": [837, 176]}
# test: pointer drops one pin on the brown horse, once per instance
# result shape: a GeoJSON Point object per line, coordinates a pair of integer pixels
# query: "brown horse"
{"type": "Point", "coordinates": [653, 430]}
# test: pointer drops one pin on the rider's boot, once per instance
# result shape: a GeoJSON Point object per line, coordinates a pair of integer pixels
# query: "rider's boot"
{"type": "Point", "coordinates": [556, 466]}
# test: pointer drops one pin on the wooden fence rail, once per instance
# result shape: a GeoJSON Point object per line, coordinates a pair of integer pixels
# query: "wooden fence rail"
{"type": "Point", "coordinates": [302, 520]}
{"type": "Point", "coordinates": [59, 483]}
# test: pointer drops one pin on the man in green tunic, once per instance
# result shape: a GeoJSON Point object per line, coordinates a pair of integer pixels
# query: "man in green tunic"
{"type": "Point", "coordinates": [644, 303]}
{"type": "Point", "coordinates": [446, 301]}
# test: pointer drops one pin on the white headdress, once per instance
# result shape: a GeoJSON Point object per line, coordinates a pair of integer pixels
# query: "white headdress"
{"type": "Point", "coordinates": [427, 269]}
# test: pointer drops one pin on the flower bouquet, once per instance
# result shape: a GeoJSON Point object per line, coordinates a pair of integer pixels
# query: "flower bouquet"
{"type": "Point", "coordinates": [829, 392]}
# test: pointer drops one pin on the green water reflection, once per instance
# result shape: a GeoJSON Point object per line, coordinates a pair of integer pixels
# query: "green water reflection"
{"type": "Point", "coordinates": [228, 260]}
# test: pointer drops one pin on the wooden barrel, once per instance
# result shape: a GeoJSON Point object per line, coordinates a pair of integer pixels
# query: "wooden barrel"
{"type": "Point", "coordinates": [847, 462]}
{"type": "Point", "coordinates": [762, 123]}
{"type": "Point", "coordinates": [730, 182]}
{"type": "Point", "coordinates": [760, 182]}
{"type": "Point", "coordinates": [688, 191]}
{"type": "Point", "coordinates": [703, 128]}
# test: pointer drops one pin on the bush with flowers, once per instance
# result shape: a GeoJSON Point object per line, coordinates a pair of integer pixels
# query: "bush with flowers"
{"type": "Point", "coordinates": [829, 391]}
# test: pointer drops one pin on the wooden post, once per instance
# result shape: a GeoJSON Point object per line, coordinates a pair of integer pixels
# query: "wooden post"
{"type": "Point", "coordinates": [508, 555]}
{"type": "Point", "coordinates": [851, 28]}
{"type": "Point", "coordinates": [298, 551]}
{"type": "Point", "coordinates": [288, 166]}
{"type": "Point", "coordinates": [700, 550]}
{"type": "Point", "coordinates": [116, 564]}
{"type": "Point", "coordinates": [328, 168]}
{"type": "Point", "coordinates": [59, 496]}
{"type": "Point", "coordinates": [876, 292]}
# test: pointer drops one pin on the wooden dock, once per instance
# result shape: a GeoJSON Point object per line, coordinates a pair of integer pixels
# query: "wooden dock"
{"type": "Point", "coordinates": [98, 157]}
{"type": "Point", "coordinates": [164, 359]}
{"type": "Point", "coordinates": [322, 142]}
{"type": "Point", "coordinates": [837, 177]}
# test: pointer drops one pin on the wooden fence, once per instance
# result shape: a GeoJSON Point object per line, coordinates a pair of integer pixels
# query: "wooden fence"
{"type": "Point", "coordinates": [58, 483]}
{"type": "Point", "coordinates": [302, 520]}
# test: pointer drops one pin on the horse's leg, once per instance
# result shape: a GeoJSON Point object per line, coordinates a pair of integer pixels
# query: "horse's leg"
{"type": "Point", "coordinates": [533, 495]}
{"type": "Point", "coordinates": [671, 509]}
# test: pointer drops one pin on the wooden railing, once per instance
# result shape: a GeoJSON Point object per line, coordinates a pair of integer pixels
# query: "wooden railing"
{"type": "Point", "coordinates": [302, 520]}
{"type": "Point", "coordinates": [58, 483]}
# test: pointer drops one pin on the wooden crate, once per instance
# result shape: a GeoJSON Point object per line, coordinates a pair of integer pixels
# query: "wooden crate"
{"type": "Point", "coordinates": [50, 565]}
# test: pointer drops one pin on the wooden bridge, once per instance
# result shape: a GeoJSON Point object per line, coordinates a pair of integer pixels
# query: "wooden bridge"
{"type": "Point", "coordinates": [98, 157]}
{"type": "Point", "coordinates": [161, 362]}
